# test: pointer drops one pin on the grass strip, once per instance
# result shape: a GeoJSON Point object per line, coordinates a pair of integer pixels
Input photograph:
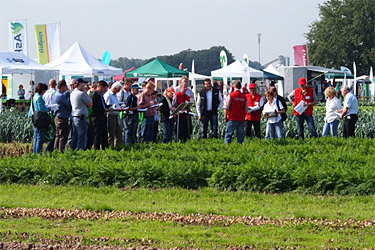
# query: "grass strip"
{"type": "Point", "coordinates": [185, 202]}
{"type": "Point", "coordinates": [171, 234]}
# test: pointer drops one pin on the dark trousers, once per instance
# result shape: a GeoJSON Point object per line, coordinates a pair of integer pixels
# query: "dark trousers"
{"type": "Point", "coordinates": [62, 132]}
{"type": "Point", "coordinates": [183, 128]}
{"type": "Point", "coordinates": [349, 126]}
{"type": "Point", "coordinates": [90, 135]}
{"type": "Point", "coordinates": [256, 125]}
{"type": "Point", "coordinates": [101, 134]}
{"type": "Point", "coordinates": [211, 117]}
{"type": "Point", "coordinates": [156, 131]}
{"type": "Point", "coordinates": [300, 119]}
{"type": "Point", "coordinates": [130, 128]}
{"type": "Point", "coordinates": [168, 127]}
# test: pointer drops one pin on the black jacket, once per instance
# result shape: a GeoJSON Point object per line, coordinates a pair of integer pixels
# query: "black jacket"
{"type": "Point", "coordinates": [97, 106]}
{"type": "Point", "coordinates": [215, 100]}
{"type": "Point", "coordinates": [164, 110]}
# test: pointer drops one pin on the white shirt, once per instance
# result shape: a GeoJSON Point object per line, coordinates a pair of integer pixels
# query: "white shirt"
{"type": "Point", "coordinates": [331, 107]}
{"type": "Point", "coordinates": [271, 108]}
{"type": "Point", "coordinates": [47, 97]}
{"type": "Point", "coordinates": [350, 102]}
{"type": "Point", "coordinates": [111, 99]}
{"type": "Point", "coordinates": [209, 102]}
{"type": "Point", "coordinates": [122, 95]}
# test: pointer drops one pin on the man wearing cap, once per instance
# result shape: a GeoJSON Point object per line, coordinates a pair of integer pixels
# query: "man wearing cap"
{"type": "Point", "coordinates": [349, 113]}
{"type": "Point", "coordinates": [253, 116]}
{"type": "Point", "coordinates": [145, 100]}
{"type": "Point", "coordinates": [307, 97]}
{"type": "Point", "coordinates": [235, 109]}
{"type": "Point", "coordinates": [209, 102]}
{"type": "Point", "coordinates": [80, 101]}
{"type": "Point", "coordinates": [131, 118]}
{"type": "Point", "coordinates": [114, 123]}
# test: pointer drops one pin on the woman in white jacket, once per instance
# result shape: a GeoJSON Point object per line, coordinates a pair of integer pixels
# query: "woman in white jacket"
{"type": "Point", "coordinates": [273, 112]}
{"type": "Point", "coordinates": [332, 118]}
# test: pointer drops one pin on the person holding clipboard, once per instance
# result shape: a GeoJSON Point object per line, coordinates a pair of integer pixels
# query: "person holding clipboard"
{"type": "Point", "coordinates": [183, 123]}
{"type": "Point", "coordinates": [303, 99]}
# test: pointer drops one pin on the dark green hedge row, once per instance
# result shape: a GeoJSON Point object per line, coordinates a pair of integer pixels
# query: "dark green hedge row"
{"type": "Point", "coordinates": [317, 166]}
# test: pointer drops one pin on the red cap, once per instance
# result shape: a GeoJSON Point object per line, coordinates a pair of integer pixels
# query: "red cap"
{"type": "Point", "coordinates": [252, 86]}
{"type": "Point", "coordinates": [302, 81]}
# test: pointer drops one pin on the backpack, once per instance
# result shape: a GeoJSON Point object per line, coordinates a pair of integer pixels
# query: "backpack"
{"type": "Point", "coordinates": [284, 116]}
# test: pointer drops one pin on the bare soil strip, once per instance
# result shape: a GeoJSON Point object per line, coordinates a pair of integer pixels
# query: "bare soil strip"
{"type": "Point", "coordinates": [192, 219]}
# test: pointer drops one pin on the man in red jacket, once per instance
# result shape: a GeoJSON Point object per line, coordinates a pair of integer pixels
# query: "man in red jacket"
{"type": "Point", "coordinates": [306, 96]}
{"type": "Point", "coordinates": [253, 116]}
{"type": "Point", "coordinates": [235, 109]}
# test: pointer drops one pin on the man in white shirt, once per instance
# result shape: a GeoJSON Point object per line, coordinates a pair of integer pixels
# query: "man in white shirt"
{"type": "Point", "coordinates": [209, 102]}
{"type": "Point", "coordinates": [114, 123]}
{"type": "Point", "coordinates": [47, 97]}
{"type": "Point", "coordinates": [349, 113]}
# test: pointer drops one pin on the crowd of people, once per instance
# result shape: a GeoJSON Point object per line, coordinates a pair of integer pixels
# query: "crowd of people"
{"type": "Point", "coordinates": [101, 115]}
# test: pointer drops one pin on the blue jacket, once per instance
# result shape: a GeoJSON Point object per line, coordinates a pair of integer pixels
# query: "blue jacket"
{"type": "Point", "coordinates": [65, 108]}
{"type": "Point", "coordinates": [38, 103]}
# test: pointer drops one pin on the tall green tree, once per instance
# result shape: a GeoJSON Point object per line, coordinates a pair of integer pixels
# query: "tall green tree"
{"type": "Point", "coordinates": [344, 34]}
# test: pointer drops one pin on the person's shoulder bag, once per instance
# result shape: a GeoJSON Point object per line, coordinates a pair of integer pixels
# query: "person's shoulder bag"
{"type": "Point", "coordinates": [40, 119]}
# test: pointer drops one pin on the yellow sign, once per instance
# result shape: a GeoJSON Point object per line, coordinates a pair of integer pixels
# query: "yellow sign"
{"type": "Point", "coordinates": [42, 43]}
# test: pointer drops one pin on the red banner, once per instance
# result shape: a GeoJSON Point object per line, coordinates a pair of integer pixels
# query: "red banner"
{"type": "Point", "coordinates": [300, 55]}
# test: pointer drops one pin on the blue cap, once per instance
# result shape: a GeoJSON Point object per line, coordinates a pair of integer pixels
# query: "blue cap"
{"type": "Point", "coordinates": [135, 86]}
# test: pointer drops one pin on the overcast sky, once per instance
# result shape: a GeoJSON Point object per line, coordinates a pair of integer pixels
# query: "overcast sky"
{"type": "Point", "coordinates": [149, 28]}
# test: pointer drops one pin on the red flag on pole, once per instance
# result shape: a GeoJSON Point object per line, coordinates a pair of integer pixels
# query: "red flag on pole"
{"type": "Point", "coordinates": [180, 67]}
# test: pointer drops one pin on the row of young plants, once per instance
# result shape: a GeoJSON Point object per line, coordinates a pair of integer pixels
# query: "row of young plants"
{"type": "Point", "coordinates": [317, 166]}
{"type": "Point", "coordinates": [17, 127]}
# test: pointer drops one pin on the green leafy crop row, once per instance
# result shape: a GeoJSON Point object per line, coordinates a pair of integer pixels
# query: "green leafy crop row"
{"type": "Point", "coordinates": [17, 127]}
{"type": "Point", "coordinates": [318, 166]}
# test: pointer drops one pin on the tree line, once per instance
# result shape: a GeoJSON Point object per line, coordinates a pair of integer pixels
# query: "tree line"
{"type": "Point", "coordinates": [205, 60]}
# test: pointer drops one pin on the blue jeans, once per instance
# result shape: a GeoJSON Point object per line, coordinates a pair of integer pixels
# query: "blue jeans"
{"type": "Point", "coordinates": [130, 129]}
{"type": "Point", "coordinates": [147, 129]}
{"type": "Point", "coordinates": [231, 127]}
{"type": "Point", "coordinates": [330, 127]}
{"type": "Point", "coordinates": [39, 134]}
{"type": "Point", "coordinates": [168, 127]}
{"type": "Point", "coordinates": [275, 130]}
{"type": "Point", "coordinates": [310, 123]}
{"type": "Point", "coordinates": [79, 134]}
{"type": "Point", "coordinates": [212, 118]}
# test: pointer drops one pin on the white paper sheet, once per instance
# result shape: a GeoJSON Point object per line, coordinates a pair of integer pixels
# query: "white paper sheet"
{"type": "Point", "coordinates": [299, 108]}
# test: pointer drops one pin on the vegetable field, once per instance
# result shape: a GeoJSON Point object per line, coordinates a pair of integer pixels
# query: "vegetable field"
{"type": "Point", "coordinates": [17, 127]}
{"type": "Point", "coordinates": [315, 166]}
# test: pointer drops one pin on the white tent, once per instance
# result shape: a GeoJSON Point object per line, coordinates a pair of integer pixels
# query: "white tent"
{"type": "Point", "coordinates": [18, 63]}
{"type": "Point", "coordinates": [234, 70]}
{"type": "Point", "coordinates": [12, 63]}
{"type": "Point", "coordinates": [272, 69]}
{"type": "Point", "coordinates": [77, 61]}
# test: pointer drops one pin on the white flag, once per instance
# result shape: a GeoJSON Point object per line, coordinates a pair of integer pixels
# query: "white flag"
{"type": "Point", "coordinates": [48, 40]}
{"type": "Point", "coordinates": [245, 74]}
{"type": "Point", "coordinates": [18, 36]}
{"type": "Point", "coordinates": [223, 59]}
{"type": "Point", "coordinates": [346, 70]}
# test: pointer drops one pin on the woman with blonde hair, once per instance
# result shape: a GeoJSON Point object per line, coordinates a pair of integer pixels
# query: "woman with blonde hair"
{"type": "Point", "coordinates": [332, 118]}
{"type": "Point", "coordinates": [166, 119]}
